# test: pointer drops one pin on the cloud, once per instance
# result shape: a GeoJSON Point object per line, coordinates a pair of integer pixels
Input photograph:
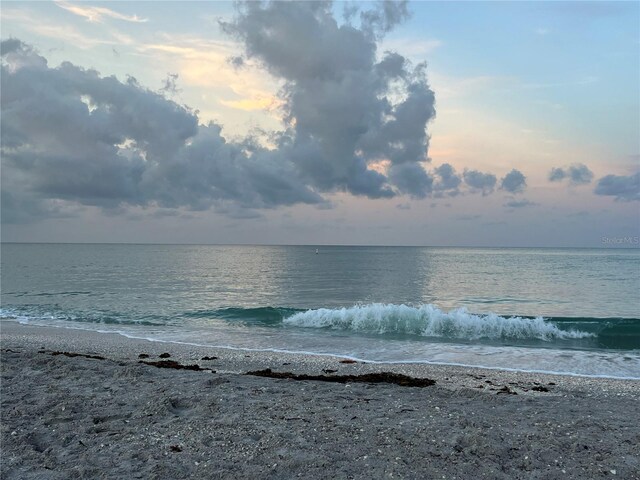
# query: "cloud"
{"type": "Point", "coordinates": [384, 17]}
{"type": "Point", "coordinates": [337, 98]}
{"type": "Point", "coordinates": [513, 182]}
{"type": "Point", "coordinates": [448, 181]}
{"type": "Point", "coordinates": [513, 203]}
{"type": "Point", "coordinates": [17, 55]}
{"type": "Point", "coordinates": [409, 178]}
{"type": "Point", "coordinates": [170, 84]}
{"type": "Point", "coordinates": [72, 136]}
{"type": "Point", "coordinates": [557, 174]}
{"type": "Point", "coordinates": [578, 174]}
{"type": "Point", "coordinates": [479, 182]}
{"type": "Point", "coordinates": [623, 188]}
{"type": "Point", "coordinates": [20, 207]}
{"type": "Point", "coordinates": [96, 14]}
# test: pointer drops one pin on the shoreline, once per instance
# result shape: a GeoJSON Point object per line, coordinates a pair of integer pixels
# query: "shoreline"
{"type": "Point", "coordinates": [117, 341]}
{"type": "Point", "coordinates": [82, 416]}
{"type": "Point", "coordinates": [237, 360]}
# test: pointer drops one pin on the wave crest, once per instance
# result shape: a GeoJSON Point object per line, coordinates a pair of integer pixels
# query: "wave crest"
{"type": "Point", "coordinates": [429, 321]}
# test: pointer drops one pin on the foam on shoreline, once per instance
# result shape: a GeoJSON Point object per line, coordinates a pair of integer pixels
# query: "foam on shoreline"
{"type": "Point", "coordinates": [238, 361]}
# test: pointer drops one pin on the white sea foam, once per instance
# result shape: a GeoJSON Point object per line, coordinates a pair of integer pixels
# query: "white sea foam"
{"type": "Point", "coordinates": [429, 321]}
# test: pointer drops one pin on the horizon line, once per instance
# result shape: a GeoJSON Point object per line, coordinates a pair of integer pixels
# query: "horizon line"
{"type": "Point", "coordinates": [611, 247]}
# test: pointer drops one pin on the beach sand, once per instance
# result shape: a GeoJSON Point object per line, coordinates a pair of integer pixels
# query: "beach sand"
{"type": "Point", "coordinates": [66, 416]}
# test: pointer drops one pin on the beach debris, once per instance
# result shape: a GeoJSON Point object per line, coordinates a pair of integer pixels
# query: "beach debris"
{"type": "Point", "coordinates": [143, 355]}
{"type": "Point", "coordinates": [209, 358]}
{"type": "Point", "coordinates": [540, 388]}
{"type": "Point", "coordinates": [328, 370]}
{"type": "Point", "coordinates": [72, 354]}
{"type": "Point", "coordinates": [381, 377]}
{"type": "Point", "coordinates": [175, 365]}
{"type": "Point", "coordinates": [164, 355]}
{"type": "Point", "coordinates": [175, 448]}
{"type": "Point", "coordinates": [506, 390]}
{"type": "Point", "coordinates": [347, 360]}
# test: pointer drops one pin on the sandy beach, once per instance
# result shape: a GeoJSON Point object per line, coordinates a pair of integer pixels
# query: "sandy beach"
{"type": "Point", "coordinates": [80, 404]}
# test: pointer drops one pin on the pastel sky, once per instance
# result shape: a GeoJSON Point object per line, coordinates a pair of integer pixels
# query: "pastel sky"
{"type": "Point", "coordinates": [427, 123]}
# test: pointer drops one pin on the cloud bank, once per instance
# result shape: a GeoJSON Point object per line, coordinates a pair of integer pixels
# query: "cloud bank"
{"type": "Point", "coordinates": [355, 121]}
{"type": "Point", "coordinates": [72, 135]}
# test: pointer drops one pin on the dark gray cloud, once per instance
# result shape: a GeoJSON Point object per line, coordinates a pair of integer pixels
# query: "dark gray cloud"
{"type": "Point", "coordinates": [514, 182]}
{"type": "Point", "coordinates": [71, 135]}
{"type": "Point", "coordinates": [337, 97]}
{"type": "Point", "coordinates": [448, 181]}
{"type": "Point", "coordinates": [479, 182]}
{"type": "Point", "coordinates": [623, 188]}
{"type": "Point", "coordinates": [18, 54]}
{"type": "Point", "coordinates": [410, 178]}
{"type": "Point", "coordinates": [11, 45]}
{"type": "Point", "coordinates": [577, 174]}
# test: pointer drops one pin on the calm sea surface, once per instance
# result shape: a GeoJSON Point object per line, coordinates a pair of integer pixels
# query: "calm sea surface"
{"type": "Point", "coordinates": [573, 311]}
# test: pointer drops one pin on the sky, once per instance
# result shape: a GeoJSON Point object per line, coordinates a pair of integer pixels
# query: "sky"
{"type": "Point", "coordinates": [366, 123]}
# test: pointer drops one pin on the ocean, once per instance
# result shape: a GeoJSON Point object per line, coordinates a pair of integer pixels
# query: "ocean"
{"type": "Point", "coordinates": [569, 311]}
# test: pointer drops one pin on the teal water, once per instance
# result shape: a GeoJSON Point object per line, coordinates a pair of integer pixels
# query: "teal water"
{"type": "Point", "coordinates": [573, 311]}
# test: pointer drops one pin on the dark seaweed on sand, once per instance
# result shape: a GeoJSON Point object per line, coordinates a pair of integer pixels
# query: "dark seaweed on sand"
{"type": "Point", "coordinates": [175, 365]}
{"type": "Point", "coordinates": [382, 377]}
{"type": "Point", "coordinates": [72, 354]}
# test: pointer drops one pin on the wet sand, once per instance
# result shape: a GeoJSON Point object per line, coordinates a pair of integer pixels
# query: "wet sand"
{"type": "Point", "coordinates": [79, 404]}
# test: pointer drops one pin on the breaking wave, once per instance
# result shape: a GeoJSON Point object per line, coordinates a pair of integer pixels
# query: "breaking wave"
{"type": "Point", "coordinates": [430, 321]}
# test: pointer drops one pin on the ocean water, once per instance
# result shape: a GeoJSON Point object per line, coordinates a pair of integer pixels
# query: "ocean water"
{"type": "Point", "coordinates": [571, 311]}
